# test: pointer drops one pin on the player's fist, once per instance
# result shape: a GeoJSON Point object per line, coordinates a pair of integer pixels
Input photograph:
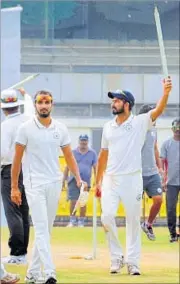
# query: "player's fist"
{"type": "Point", "coordinates": [16, 196]}
{"type": "Point", "coordinates": [22, 91]}
{"type": "Point", "coordinates": [167, 84]}
{"type": "Point", "coordinates": [82, 184]}
{"type": "Point", "coordinates": [98, 191]}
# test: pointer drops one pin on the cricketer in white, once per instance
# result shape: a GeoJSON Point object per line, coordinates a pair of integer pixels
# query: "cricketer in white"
{"type": "Point", "coordinates": [40, 139]}
{"type": "Point", "coordinates": [119, 174]}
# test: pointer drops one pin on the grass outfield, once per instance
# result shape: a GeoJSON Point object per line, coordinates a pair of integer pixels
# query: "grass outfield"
{"type": "Point", "coordinates": [159, 264]}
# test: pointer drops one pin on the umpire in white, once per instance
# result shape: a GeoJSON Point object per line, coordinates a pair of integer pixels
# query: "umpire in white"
{"type": "Point", "coordinates": [17, 216]}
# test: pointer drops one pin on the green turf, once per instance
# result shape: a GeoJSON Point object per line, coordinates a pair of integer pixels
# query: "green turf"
{"type": "Point", "coordinates": [84, 272]}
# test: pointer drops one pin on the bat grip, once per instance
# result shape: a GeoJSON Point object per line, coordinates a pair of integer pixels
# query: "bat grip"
{"type": "Point", "coordinates": [82, 187]}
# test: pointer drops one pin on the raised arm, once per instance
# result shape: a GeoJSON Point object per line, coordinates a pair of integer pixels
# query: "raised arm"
{"type": "Point", "coordinates": [29, 108]}
{"type": "Point", "coordinates": [161, 105]}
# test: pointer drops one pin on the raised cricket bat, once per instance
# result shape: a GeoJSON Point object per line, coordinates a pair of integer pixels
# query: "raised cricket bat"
{"type": "Point", "coordinates": [161, 42]}
{"type": "Point", "coordinates": [27, 79]}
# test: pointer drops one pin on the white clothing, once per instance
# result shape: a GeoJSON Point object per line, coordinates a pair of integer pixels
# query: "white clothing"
{"type": "Point", "coordinates": [43, 184]}
{"type": "Point", "coordinates": [124, 143]}
{"type": "Point", "coordinates": [9, 130]}
{"type": "Point", "coordinates": [128, 189]}
{"type": "Point", "coordinates": [43, 203]}
{"type": "Point", "coordinates": [41, 160]}
{"type": "Point", "coordinates": [123, 182]}
{"type": "Point", "coordinates": [29, 109]}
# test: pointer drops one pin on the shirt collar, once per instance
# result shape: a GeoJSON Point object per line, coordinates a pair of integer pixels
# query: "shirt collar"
{"type": "Point", "coordinates": [13, 115]}
{"type": "Point", "coordinates": [39, 125]}
{"type": "Point", "coordinates": [114, 123]}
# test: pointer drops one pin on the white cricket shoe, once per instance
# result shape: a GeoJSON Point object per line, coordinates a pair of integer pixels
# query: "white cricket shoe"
{"type": "Point", "coordinates": [50, 278]}
{"type": "Point", "coordinates": [10, 278]}
{"type": "Point", "coordinates": [34, 278]}
{"type": "Point", "coordinates": [133, 269]}
{"type": "Point", "coordinates": [117, 264]}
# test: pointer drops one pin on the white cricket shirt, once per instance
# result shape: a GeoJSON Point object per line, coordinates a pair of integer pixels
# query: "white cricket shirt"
{"type": "Point", "coordinates": [124, 143]}
{"type": "Point", "coordinates": [41, 160]}
{"type": "Point", "coordinates": [9, 129]}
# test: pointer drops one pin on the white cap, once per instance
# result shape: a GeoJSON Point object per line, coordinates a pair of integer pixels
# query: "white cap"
{"type": "Point", "coordinates": [9, 98]}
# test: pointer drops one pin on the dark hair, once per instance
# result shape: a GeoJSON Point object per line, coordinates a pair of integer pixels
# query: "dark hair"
{"type": "Point", "coordinates": [43, 92]}
{"type": "Point", "coordinates": [11, 110]}
{"type": "Point", "coordinates": [130, 104]}
{"type": "Point", "coordinates": [176, 121]}
{"type": "Point", "coordinates": [146, 108]}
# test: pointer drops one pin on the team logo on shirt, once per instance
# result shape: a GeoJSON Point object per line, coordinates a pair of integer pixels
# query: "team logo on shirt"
{"type": "Point", "coordinates": [128, 126]}
{"type": "Point", "coordinates": [159, 190]}
{"type": "Point", "coordinates": [56, 135]}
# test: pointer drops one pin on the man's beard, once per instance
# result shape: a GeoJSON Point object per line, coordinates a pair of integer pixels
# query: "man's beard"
{"type": "Point", "coordinates": [177, 133]}
{"type": "Point", "coordinates": [116, 112]}
{"type": "Point", "coordinates": [83, 148]}
{"type": "Point", "coordinates": [44, 115]}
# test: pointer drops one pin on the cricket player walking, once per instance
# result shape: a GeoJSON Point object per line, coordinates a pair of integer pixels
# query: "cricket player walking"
{"type": "Point", "coordinates": [40, 139]}
{"type": "Point", "coordinates": [152, 173]}
{"type": "Point", "coordinates": [119, 174]}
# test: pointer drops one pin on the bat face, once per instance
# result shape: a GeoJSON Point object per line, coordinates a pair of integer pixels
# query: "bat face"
{"type": "Point", "coordinates": [21, 83]}
{"type": "Point", "coordinates": [161, 42]}
{"type": "Point", "coordinates": [83, 198]}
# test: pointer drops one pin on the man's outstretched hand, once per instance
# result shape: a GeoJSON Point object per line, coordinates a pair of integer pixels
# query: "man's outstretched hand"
{"type": "Point", "coordinates": [167, 84]}
{"type": "Point", "coordinates": [22, 91]}
{"type": "Point", "coordinates": [16, 196]}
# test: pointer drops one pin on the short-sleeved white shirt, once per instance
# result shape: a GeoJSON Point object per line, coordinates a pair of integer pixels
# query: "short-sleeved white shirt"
{"type": "Point", "coordinates": [9, 129]}
{"type": "Point", "coordinates": [124, 143]}
{"type": "Point", "coordinates": [41, 160]}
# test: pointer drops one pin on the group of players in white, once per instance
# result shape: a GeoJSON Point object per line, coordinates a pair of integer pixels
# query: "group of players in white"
{"type": "Point", "coordinates": [128, 162]}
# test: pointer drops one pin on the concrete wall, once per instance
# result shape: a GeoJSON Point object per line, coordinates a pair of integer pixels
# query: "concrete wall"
{"type": "Point", "coordinates": [92, 88]}
{"type": "Point", "coordinates": [86, 126]}
{"type": "Point", "coordinates": [10, 46]}
{"type": "Point", "coordinates": [10, 57]}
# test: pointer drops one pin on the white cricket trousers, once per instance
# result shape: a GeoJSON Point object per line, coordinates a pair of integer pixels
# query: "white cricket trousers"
{"type": "Point", "coordinates": [128, 189]}
{"type": "Point", "coordinates": [43, 203]}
